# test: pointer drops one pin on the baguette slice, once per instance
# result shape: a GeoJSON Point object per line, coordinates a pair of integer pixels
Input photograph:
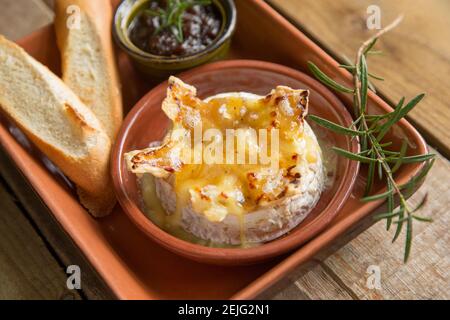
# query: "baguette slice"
{"type": "Point", "coordinates": [83, 30]}
{"type": "Point", "coordinates": [58, 123]}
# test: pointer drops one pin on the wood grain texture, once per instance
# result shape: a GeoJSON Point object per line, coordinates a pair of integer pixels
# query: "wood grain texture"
{"type": "Point", "coordinates": [342, 271]}
{"type": "Point", "coordinates": [49, 3]}
{"type": "Point", "coordinates": [426, 275]}
{"type": "Point", "coordinates": [319, 282]}
{"type": "Point", "coordinates": [308, 282]}
{"type": "Point", "coordinates": [416, 55]}
{"type": "Point", "coordinates": [21, 17]}
{"type": "Point", "coordinates": [415, 64]}
{"type": "Point", "coordinates": [37, 14]}
{"type": "Point", "coordinates": [27, 269]}
{"type": "Point", "coordinates": [63, 248]}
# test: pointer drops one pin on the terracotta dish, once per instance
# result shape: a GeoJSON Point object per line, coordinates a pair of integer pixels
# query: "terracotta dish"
{"type": "Point", "coordinates": [131, 264]}
{"type": "Point", "coordinates": [146, 122]}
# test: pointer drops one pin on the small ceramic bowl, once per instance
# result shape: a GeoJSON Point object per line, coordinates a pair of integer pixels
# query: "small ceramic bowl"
{"type": "Point", "coordinates": [160, 67]}
{"type": "Point", "coordinates": [146, 123]}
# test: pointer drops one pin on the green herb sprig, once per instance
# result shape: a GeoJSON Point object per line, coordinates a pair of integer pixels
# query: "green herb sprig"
{"type": "Point", "coordinates": [171, 17]}
{"type": "Point", "coordinates": [371, 130]}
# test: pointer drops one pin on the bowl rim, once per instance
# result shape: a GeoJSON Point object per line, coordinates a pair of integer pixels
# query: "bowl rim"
{"type": "Point", "coordinates": [234, 256]}
{"type": "Point", "coordinates": [230, 21]}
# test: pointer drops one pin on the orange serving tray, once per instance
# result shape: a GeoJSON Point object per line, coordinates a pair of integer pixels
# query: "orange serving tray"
{"type": "Point", "coordinates": [132, 265]}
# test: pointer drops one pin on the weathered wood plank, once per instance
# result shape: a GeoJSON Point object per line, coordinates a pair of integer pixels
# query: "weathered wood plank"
{"type": "Point", "coordinates": [318, 282]}
{"type": "Point", "coordinates": [422, 54]}
{"type": "Point", "coordinates": [293, 288]}
{"type": "Point", "coordinates": [21, 17]}
{"type": "Point", "coordinates": [27, 269]}
{"type": "Point", "coordinates": [308, 282]}
{"type": "Point", "coordinates": [17, 19]}
{"type": "Point", "coordinates": [416, 55]}
{"type": "Point", "coordinates": [425, 276]}
{"type": "Point", "coordinates": [341, 275]}
{"type": "Point", "coordinates": [49, 3]}
{"type": "Point", "coordinates": [93, 286]}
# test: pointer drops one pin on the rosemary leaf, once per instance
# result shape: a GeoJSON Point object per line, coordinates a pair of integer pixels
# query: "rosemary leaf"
{"type": "Point", "coordinates": [376, 77]}
{"type": "Point", "coordinates": [364, 84]}
{"type": "Point", "coordinates": [364, 142]}
{"type": "Point", "coordinates": [380, 171]}
{"type": "Point", "coordinates": [390, 203]}
{"type": "Point", "coordinates": [421, 204]}
{"type": "Point", "coordinates": [382, 216]}
{"type": "Point", "coordinates": [327, 80]}
{"type": "Point", "coordinates": [392, 120]}
{"type": "Point", "coordinates": [392, 153]}
{"type": "Point", "coordinates": [370, 176]}
{"type": "Point", "coordinates": [402, 112]}
{"type": "Point", "coordinates": [355, 106]}
{"type": "Point", "coordinates": [411, 184]}
{"type": "Point", "coordinates": [424, 171]}
{"type": "Point", "coordinates": [180, 35]}
{"type": "Point", "coordinates": [353, 156]}
{"type": "Point", "coordinates": [354, 123]}
{"type": "Point", "coordinates": [371, 86]}
{"type": "Point", "coordinates": [334, 127]}
{"type": "Point", "coordinates": [422, 219]}
{"type": "Point", "coordinates": [373, 52]}
{"type": "Point", "coordinates": [408, 241]}
{"type": "Point", "coordinates": [412, 159]}
{"type": "Point", "coordinates": [387, 144]}
{"type": "Point", "coordinates": [377, 117]}
{"type": "Point", "coordinates": [401, 214]}
{"type": "Point", "coordinates": [401, 156]}
{"type": "Point", "coordinates": [371, 45]}
{"type": "Point", "coordinates": [365, 152]}
{"type": "Point", "coordinates": [378, 196]}
{"type": "Point", "coordinates": [372, 129]}
{"type": "Point", "coordinates": [347, 67]}
{"type": "Point", "coordinates": [151, 13]}
{"type": "Point", "coordinates": [401, 220]}
{"type": "Point", "coordinates": [353, 68]}
{"type": "Point", "coordinates": [171, 18]}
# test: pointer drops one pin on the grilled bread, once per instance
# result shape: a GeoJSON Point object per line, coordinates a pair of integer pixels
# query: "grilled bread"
{"type": "Point", "coordinates": [83, 29]}
{"type": "Point", "coordinates": [58, 123]}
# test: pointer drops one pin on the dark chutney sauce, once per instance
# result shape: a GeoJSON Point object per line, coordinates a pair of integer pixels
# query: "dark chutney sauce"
{"type": "Point", "coordinates": [201, 26]}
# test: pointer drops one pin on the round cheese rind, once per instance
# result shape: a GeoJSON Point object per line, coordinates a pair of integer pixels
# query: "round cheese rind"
{"type": "Point", "coordinates": [266, 223]}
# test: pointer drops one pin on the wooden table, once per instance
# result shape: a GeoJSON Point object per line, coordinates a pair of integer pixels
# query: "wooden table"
{"type": "Point", "coordinates": [34, 252]}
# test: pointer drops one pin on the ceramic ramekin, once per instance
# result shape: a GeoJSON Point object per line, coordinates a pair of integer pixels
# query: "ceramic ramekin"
{"type": "Point", "coordinates": [146, 122]}
{"type": "Point", "coordinates": [159, 67]}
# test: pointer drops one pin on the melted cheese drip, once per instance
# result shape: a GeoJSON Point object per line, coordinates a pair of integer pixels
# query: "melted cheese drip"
{"type": "Point", "coordinates": [217, 190]}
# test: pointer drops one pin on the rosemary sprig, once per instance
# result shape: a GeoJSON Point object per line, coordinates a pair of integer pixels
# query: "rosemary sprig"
{"type": "Point", "coordinates": [372, 129]}
{"type": "Point", "coordinates": [171, 17]}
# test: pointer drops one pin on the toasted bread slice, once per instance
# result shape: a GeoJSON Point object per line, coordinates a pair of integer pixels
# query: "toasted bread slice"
{"type": "Point", "coordinates": [58, 123]}
{"type": "Point", "coordinates": [83, 29]}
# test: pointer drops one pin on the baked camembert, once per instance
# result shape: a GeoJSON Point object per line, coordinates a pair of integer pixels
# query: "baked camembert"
{"type": "Point", "coordinates": [228, 197]}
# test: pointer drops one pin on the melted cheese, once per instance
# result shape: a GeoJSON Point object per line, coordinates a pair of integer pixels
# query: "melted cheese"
{"type": "Point", "coordinates": [217, 190]}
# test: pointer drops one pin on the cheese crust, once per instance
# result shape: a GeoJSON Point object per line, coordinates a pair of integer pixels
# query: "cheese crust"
{"type": "Point", "coordinates": [240, 204]}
